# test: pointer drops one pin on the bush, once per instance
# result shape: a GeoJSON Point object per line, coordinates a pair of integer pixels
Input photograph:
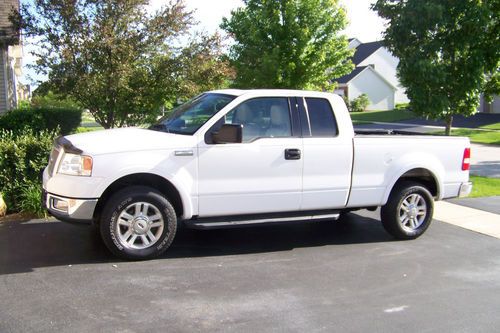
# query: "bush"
{"type": "Point", "coordinates": [359, 104]}
{"type": "Point", "coordinates": [30, 199]}
{"type": "Point", "coordinates": [41, 119]}
{"type": "Point", "coordinates": [23, 156]}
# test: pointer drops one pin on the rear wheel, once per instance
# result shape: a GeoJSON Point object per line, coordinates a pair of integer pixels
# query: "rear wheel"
{"type": "Point", "coordinates": [408, 212]}
{"type": "Point", "coordinates": [138, 223]}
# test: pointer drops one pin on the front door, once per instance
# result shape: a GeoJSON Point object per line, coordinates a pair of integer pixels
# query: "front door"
{"type": "Point", "coordinates": [263, 173]}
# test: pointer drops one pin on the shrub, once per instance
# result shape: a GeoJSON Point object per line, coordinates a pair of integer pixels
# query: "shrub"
{"type": "Point", "coordinates": [30, 199]}
{"type": "Point", "coordinates": [41, 119]}
{"type": "Point", "coordinates": [23, 156]}
{"type": "Point", "coordinates": [359, 104]}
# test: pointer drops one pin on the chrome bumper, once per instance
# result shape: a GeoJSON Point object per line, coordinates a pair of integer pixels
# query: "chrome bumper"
{"type": "Point", "coordinates": [69, 209]}
{"type": "Point", "coordinates": [465, 189]}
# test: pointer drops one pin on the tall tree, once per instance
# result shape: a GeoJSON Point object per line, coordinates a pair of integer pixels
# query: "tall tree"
{"type": "Point", "coordinates": [448, 50]}
{"type": "Point", "coordinates": [118, 59]}
{"type": "Point", "coordinates": [288, 43]}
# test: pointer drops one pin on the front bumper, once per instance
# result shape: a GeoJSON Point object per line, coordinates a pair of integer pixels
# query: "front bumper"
{"type": "Point", "coordinates": [465, 189]}
{"type": "Point", "coordinates": [80, 211]}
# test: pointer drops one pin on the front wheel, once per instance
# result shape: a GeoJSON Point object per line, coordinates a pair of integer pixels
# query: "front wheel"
{"type": "Point", "coordinates": [408, 212]}
{"type": "Point", "coordinates": [138, 223]}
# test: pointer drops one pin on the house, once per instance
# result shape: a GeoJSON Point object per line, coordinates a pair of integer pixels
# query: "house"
{"type": "Point", "coordinates": [374, 75]}
{"type": "Point", "coordinates": [493, 107]}
{"type": "Point", "coordinates": [10, 57]}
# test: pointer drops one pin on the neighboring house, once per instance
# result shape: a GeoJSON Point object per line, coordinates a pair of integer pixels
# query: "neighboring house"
{"type": "Point", "coordinates": [374, 75]}
{"type": "Point", "coordinates": [493, 107]}
{"type": "Point", "coordinates": [10, 57]}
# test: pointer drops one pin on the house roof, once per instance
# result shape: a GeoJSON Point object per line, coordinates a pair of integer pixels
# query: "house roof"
{"type": "Point", "coordinates": [358, 70]}
{"type": "Point", "coordinates": [6, 29]}
{"type": "Point", "coordinates": [365, 50]}
{"type": "Point", "coordinates": [346, 78]}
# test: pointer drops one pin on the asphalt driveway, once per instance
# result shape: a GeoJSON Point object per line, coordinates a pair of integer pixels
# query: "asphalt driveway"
{"type": "Point", "coordinates": [347, 276]}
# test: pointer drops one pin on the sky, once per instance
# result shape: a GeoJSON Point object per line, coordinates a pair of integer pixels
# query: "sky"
{"type": "Point", "coordinates": [364, 23]}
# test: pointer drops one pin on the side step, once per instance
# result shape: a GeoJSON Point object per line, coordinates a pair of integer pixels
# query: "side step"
{"type": "Point", "coordinates": [244, 220]}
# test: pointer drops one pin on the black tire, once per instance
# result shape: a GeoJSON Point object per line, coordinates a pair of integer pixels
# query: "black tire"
{"type": "Point", "coordinates": [154, 231]}
{"type": "Point", "coordinates": [407, 224]}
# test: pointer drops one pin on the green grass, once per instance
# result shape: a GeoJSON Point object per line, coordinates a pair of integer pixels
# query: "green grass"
{"type": "Point", "coordinates": [484, 186]}
{"type": "Point", "coordinates": [88, 129]}
{"type": "Point", "coordinates": [495, 126]}
{"type": "Point", "coordinates": [381, 116]}
{"type": "Point", "coordinates": [476, 136]}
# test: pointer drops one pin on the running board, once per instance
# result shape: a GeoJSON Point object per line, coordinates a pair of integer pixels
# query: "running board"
{"type": "Point", "coordinates": [243, 220]}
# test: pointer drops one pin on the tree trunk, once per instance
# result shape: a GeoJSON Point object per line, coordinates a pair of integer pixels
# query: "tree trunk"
{"type": "Point", "coordinates": [449, 121]}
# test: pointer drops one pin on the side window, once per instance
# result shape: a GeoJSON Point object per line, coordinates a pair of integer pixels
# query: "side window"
{"type": "Point", "coordinates": [262, 117]}
{"type": "Point", "coordinates": [321, 118]}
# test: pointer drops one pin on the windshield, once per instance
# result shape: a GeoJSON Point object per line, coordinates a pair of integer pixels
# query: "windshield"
{"type": "Point", "coordinates": [190, 116]}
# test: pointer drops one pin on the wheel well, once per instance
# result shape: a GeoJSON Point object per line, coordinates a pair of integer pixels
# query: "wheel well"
{"type": "Point", "coordinates": [146, 179]}
{"type": "Point", "coordinates": [422, 176]}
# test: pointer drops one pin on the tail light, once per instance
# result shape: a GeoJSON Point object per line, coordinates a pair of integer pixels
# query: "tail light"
{"type": "Point", "coordinates": [466, 160]}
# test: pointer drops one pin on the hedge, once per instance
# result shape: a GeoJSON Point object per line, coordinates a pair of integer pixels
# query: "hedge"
{"type": "Point", "coordinates": [23, 156]}
{"type": "Point", "coordinates": [42, 119]}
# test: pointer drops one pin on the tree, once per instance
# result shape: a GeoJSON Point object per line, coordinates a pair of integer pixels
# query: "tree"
{"type": "Point", "coordinates": [448, 50]}
{"type": "Point", "coordinates": [117, 59]}
{"type": "Point", "coordinates": [288, 44]}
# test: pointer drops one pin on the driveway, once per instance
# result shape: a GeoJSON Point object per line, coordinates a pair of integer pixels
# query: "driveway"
{"type": "Point", "coordinates": [485, 160]}
{"type": "Point", "coordinates": [343, 276]}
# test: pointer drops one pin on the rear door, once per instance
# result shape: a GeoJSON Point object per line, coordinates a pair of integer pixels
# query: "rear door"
{"type": "Point", "coordinates": [328, 156]}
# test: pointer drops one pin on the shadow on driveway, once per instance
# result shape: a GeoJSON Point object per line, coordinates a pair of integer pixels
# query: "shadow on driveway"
{"type": "Point", "coordinates": [26, 246]}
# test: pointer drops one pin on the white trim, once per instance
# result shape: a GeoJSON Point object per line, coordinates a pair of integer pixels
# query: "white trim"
{"type": "Point", "coordinates": [5, 58]}
{"type": "Point", "coordinates": [377, 73]}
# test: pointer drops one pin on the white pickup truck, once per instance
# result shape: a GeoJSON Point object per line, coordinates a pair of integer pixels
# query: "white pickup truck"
{"type": "Point", "coordinates": [236, 157]}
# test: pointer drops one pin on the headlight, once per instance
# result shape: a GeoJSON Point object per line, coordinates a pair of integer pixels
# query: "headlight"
{"type": "Point", "coordinates": [75, 165]}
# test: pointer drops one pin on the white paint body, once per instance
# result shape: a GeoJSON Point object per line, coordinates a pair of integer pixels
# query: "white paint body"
{"type": "Point", "coordinates": [244, 178]}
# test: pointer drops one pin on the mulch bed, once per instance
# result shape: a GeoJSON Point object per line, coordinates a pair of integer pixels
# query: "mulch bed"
{"type": "Point", "coordinates": [17, 217]}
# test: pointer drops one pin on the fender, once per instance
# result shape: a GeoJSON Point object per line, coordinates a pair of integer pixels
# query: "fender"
{"type": "Point", "coordinates": [187, 204]}
{"type": "Point", "coordinates": [415, 161]}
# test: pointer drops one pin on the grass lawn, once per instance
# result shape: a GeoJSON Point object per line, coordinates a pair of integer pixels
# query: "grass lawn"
{"type": "Point", "coordinates": [88, 129]}
{"type": "Point", "coordinates": [487, 137]}
{"type": "Point", "coordinates": [495, 126]}
{"type": "Point", "coordinates": [381, 116]}
{"type": "Point", "coordinates": [484, 187]}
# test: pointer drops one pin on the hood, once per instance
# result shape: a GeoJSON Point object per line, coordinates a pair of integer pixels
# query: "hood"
{"type": "Point", "coordinates": [127, 140]}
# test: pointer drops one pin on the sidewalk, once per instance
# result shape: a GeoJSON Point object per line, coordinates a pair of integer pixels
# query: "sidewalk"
{"type": "Point", "coordinates": [469, 218]}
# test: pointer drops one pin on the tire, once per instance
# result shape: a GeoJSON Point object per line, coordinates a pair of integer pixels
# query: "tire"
{"type": "Point", "coordinates": [408, 212]}
{"type": "Point", "coordinates": [138, 223]}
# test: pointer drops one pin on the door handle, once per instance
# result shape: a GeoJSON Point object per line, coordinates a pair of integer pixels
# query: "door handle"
{"type": "Point", "coordinates": [292, 154]}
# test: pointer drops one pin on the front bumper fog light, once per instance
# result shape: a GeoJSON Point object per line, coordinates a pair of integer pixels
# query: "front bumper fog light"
{"type": "Point", "coordinates": [60, 205]}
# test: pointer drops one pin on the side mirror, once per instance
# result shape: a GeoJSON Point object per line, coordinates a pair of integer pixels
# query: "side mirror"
{"type": "Point", "coordinates": [229, 133]}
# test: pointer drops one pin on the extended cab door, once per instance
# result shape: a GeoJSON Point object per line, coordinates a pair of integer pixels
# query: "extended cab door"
{"type": "Point", "coordinates": [328, 155]}
{"type": "Point", "coordinates": [264, 172]}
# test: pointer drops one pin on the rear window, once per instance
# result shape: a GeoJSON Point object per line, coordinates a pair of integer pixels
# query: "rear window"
{"type": "Point", "coordinates": [321, 118]}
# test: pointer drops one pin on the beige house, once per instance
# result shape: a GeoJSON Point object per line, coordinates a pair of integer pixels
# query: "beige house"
{"type": "Point", "coordinates": [10, 58]}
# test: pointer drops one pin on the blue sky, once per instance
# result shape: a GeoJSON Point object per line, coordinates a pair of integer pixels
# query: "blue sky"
{"type": "Point", "coordinates": [364, 23]}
